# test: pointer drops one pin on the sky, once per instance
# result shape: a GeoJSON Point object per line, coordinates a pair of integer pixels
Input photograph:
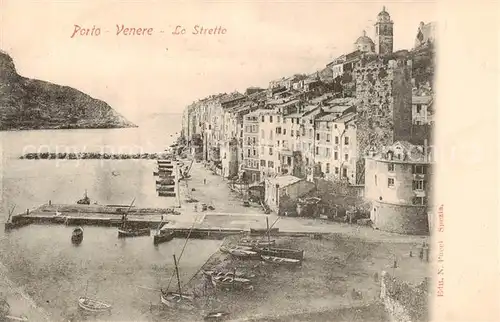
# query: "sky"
{"type": "Point", "coordinates": [163, 73]}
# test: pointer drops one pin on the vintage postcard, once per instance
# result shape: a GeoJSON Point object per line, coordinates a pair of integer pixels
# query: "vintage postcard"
{"type": "Point", "coordinates": [249, 161]}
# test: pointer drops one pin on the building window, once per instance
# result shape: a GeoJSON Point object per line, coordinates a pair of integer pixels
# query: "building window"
{"type": "Point", "coordinates": [335, 155]}
{"type": "Point", "coordinates": [419, 108]}
{"type": "Point", "coordinates": [248, 152]}
{"type": "Point", "coordinates": [262, 163]}
{"type": "Point", "coordinates": [289, 160]}
{"type": "Point", "coordinates": [310, 121]}
{"type": "Point", "coordinates": [418, 184]}
{"type": "Point", "coordinates": [344, 172]}
{"type": "Point", "coordinates": [390, 182]}
{"type": "Point", "coordinates": [270, 151]}
{"type": "Point", "coordinates": [278, 143]}
{"type": "Point", "coordinates": [335, 126]}
{"type": "Point", "coordinates": [346, 140]}
{"type": "Point", "coordinates": [336, 140]}
{"type": "Point", "coordinates": [327, 170]}
{"type": "Point", "coordinates": [390, 167]}
{"type": "Point", "coordinates": [327, 152]}
{"type": "Point", "coordinates": [284, 131]}
{"type": "Point", "coordinates": [270, 119]}
{"type": "Point", "coordinates": [317, 150]}
{"type": "Point", "coordinates": [346, 157]}
{"type": "Point", "coordinates": [263, 118]}
{"type": "Point", "coordinates": [419, 201]}
{"type": "Point", "coordinates": [254, 140]}
{"type": "Point", "coordinates": [317, 136]}
{"type": "Point", "coordinates": [270, 164]}
{"type": "Point", "coordinates": [254, 152]}
{"type": "Point", "coordinates": [337, 170]}
{"type": "Point", "coordinates": [278, 130]}
{"type": "Point", "coordinates": [291, 132]}
{"type": "Point", "coordinates": [328, 137]}
{"type": "Point", "coordinates": [419, 169]}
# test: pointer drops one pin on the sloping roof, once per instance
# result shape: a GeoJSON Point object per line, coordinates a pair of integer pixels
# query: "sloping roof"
{"type": "Point", "coordinates": [333, 117]}
{"type": "Point", "coordinates": [403, 151]}
{"type": "Point", "coordinates": [294, 115]}
{"type": "Point", "coordinates": [284, 181]}
{"type": "Point", "coordinates": [261, 112]}
{"type": "Point", "coordinates": [292, 102]}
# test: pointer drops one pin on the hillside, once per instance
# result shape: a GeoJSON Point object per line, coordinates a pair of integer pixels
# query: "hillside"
{"type": "Point", "coordinates": [27, 104]}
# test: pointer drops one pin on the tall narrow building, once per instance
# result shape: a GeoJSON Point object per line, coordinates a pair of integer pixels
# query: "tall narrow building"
{"type": "Point", "coordinates": [384, 33]}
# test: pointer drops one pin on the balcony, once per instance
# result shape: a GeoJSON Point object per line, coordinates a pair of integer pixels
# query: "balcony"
{"type": "Point", "coordinates": [418, 176]}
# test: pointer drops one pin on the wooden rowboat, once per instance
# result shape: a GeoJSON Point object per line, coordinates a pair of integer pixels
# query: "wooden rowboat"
{"type": "Point", "coordinates": [240, 253]}
{"type": "Point", "coordinates": [228, 273]}
{"type": "Point", "coordinates": [77, 236]}
{"type": "Point", "coordinates": [163, 236]}
{"type": "Point", "coordinates": [92, 305]}
{"type": "Point", "coordinates": [215, 316]}
{"type": "Point", "coordinates": [257, 243]}
{"type": "Point", "coordinates": [227, 281]}
{"type": "Point", "coordinates": [281, 260]}
{"type": "Point", "coordinates": [176, 300]}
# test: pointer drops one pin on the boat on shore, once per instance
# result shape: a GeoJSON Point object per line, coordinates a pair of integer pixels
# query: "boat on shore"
{"type": "Point", "coordinates": [177, 299]}
{"type": "Point", "coordinates": [230, 281]}
{"type": "Point", "coordinates": [215, 316]}
{"type": "Point", "coordinates": [257, 243]}
{"type": "Point", "coordinates": [77, 235]}
{"type": "Point", "coordinates": [281, 260]}
{"type": "Point", "coordinates": [239, 252]}
{"type": "Point", "coordinates": [92, 305]}
{"type": "Point", "coordinates": [228, 273]}
{"type": "Point", "coordinates": [163, 236]}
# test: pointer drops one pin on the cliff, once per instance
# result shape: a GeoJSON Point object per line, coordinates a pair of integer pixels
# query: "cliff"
{"type": "Point", "coordinates": [27, 104]}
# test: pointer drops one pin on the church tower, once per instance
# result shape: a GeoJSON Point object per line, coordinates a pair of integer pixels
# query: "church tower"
{"type": "Point", "coordinates": [384, 33]}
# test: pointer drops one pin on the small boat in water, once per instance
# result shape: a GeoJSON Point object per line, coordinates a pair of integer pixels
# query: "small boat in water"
{"type": "Point", "coordinates": [281, 260]}
{"type": "Point", "coordinates": [163, 236]}
{"type": "Point", "coordinates": [77, 235]}
{"type": "Point", "coordinates": [91, 305]}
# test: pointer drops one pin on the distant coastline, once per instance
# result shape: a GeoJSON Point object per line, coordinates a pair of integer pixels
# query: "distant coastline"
{"type": "Point", "coordinates": [31, 104]}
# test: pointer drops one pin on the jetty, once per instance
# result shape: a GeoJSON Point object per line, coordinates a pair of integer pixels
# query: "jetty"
{"type": "Point", "coordinates": [94, 155]}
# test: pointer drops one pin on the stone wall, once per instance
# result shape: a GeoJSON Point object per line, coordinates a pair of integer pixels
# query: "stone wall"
{"type": "Point", "coordinates": [400, 219]}
{"type": "Point", "coordinates": [404, 302]}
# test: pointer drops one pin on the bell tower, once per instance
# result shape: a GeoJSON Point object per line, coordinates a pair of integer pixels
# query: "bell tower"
{"type": "Point", "coordinates": [384, 33]}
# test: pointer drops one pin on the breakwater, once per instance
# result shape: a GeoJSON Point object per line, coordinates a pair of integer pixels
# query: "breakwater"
{"type": "Point", "coordinates": [94, 155]}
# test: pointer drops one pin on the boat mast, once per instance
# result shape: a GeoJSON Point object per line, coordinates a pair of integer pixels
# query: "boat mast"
{"type": "Point", "coordinates": [177, 272]}
{"type": "Point", "coordinates": [86, 288]}
{"type": "Point", "coordinates": [268, 237]}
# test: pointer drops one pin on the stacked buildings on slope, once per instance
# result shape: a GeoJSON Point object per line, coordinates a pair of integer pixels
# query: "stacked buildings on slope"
{"type": "Point", "coordinates": [325, 126]}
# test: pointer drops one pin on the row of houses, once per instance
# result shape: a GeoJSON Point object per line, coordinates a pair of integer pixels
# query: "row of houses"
{"type": "Point", "coordinates": [328, 126]}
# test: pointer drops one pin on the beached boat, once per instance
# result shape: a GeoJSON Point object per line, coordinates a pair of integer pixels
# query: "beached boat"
{"type": "Point", "coordinates": [281, 252]}
{"type": "Point", "coordinates": [163, 236]}
{"type": "Point", "coordinates": [215, 316]}
{"type": "Point", "coordinates": [177, 299]}
{"type": "Point", "coordinates": [228, 281]}
{"type": "Point", "coordinates": [85, 200]}
{"type": "Point", "coordinates": [280, 260]}
{"type": "Point", "coordinates": [240, 253]}
{"type": "Point", "coordinates": [228, 273]}
{"type": "Point", "coordinates": [133, 232]}
{"type": "Point", "coordinates": [77, 235]}
{"type": "Point", "coordinates": [91, 305]}
{"type": "Point", "coordinates": [257, 243]}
